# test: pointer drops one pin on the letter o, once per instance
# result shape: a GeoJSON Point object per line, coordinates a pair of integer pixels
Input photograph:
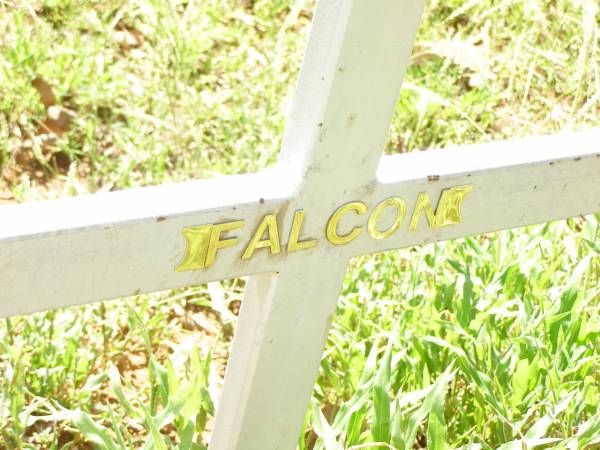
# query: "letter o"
{"type": "Point", "coordinates": [374, 218]}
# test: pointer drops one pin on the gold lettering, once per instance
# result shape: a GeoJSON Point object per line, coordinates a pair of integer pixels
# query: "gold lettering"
{"type": "Point", "coordinates": [447, 211]}
{"type": "Point", "coordinates": [268, 225]}
{"type": "Point", "coordinates": [294, 243]}
{"type": "Point", "coordinates": [196, 239]}
{"type": "Point", "coordinates": [217, 243]}
{"type": "Point", "coordinates": [400, 206]}
{"type": "Point", "coordinates": [423, 203]}
{"type": "Point", "coordinates": [332, 225]}
{"type": "Point", "coordinates": [203, 242]}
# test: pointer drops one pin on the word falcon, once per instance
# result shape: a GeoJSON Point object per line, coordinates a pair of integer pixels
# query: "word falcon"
{"type": "Point", "coordinates": [204, 241]}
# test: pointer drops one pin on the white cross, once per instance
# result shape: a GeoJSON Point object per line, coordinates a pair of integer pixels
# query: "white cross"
{"type": "Point", "coordinates": [84, 249]}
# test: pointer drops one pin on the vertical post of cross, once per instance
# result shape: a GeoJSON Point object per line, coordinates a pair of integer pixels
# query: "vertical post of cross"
{"type": "Point", "coordinates": [356, 58]}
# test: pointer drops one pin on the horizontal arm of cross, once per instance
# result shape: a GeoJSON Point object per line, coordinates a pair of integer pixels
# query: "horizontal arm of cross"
{"type": "Point", "coordinates": [82, 249]}
{"type": "Point", "coordinates": [90, 248]}
{"type": "Point", "coordinates": [513, 183]}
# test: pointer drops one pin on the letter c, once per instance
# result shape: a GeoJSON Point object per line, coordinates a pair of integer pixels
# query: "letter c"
{"type": "Point", "coordinates": [334, 220]}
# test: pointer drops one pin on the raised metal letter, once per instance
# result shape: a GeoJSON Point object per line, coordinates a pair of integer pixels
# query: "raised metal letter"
{"type": "Point", "coordinates": [196, 239]}
{"type": "Point", "coordinates": [447, 211]}
{"type": "Point", "coordinates": [332, 234]}
{"type": "Point", "coordinates": [374, 217]}
{"type": "Point", "coordinates": [215, 239]}
{"type": "Point", "coordinates": [294, 243]}
{"type": "Point", "coordinates": [268, 224]}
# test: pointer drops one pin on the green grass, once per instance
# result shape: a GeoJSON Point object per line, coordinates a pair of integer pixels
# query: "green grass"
{"type": "Point", "coordinates": [486, 342]}
{"type": "Point", "coordinates": [508, 322]}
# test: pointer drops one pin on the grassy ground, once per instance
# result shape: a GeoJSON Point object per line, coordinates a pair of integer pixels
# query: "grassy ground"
{"type": "Point", "coordinates": [487, 342]}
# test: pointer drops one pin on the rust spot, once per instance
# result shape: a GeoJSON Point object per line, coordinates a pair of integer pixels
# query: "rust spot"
{"type": "Point", "coordinates": [322, 132]}
{"type": "Point", "coordinates": [351, 119]}
{"type": "Point", "coordinates": [161, 218]}
{"type": "Point", "coordinates": [369, 188]}
{"type": "Point", "coordinates": [433, 178]}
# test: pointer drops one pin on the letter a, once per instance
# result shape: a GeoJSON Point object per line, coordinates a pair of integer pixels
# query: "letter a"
{"type": "Point", "coordinates": [268, 225]}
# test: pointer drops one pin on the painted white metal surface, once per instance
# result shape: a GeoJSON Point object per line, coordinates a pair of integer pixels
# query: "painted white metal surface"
{"type": "Point", "coordinates": [90, 248]}
{"type": "Point", "coordinates": [515, 183]}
